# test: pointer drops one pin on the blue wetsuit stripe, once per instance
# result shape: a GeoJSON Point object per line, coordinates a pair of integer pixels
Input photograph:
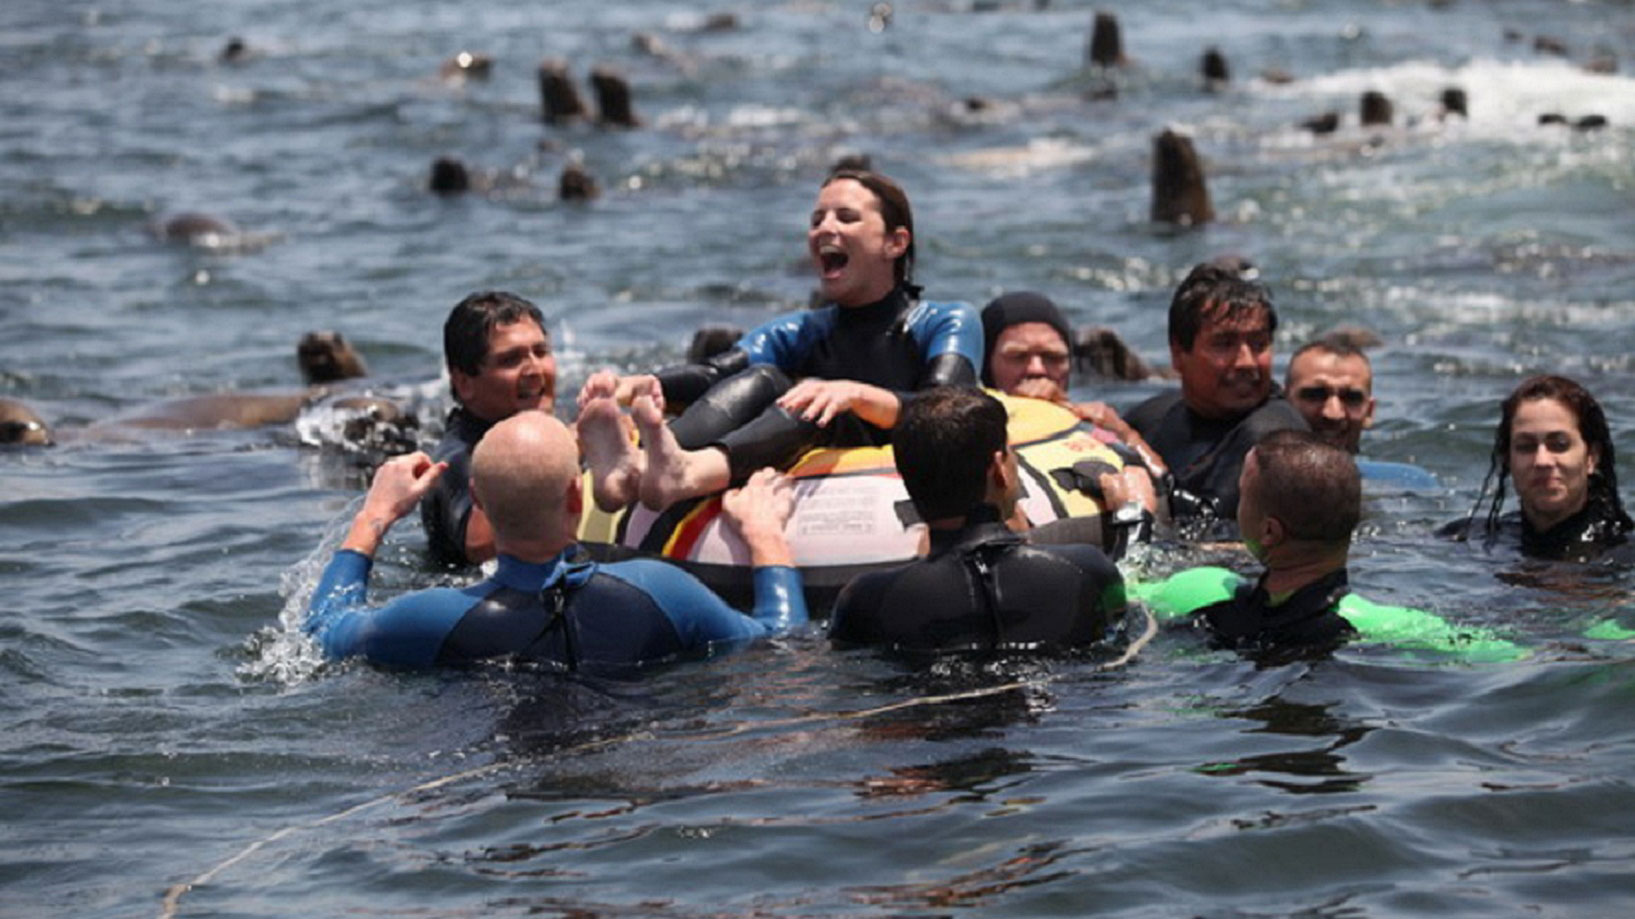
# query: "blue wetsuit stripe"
{"type": "Point", "coordinates": [784, 342]}
{"type": "Point", "coordinates": [935, 328]}
{"type": "Point", "coordinates": [408, 631]}
{"type": "Point", "coordinates": [943, 328]}
{"type": "Point", "coordinates": [699, 616]}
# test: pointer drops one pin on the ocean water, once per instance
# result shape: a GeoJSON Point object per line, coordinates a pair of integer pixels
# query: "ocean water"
{"type": "Point", "coordinates": [172, 747]}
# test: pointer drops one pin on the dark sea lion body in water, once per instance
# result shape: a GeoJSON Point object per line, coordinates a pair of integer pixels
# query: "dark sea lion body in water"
{"type": "Point", "coordinates": [1179, 194]}
{"type": "Point", "coordinates": [324, 357]}
{"type": "Point", "coordinates": [206, 231]}
{"type": "Point", "coordinates": [194, 228]}
{"type": "Point", "coordinates": [360, 420]}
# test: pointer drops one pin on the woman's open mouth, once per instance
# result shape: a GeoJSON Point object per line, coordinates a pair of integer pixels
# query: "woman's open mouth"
{"type": "Point", "coordinates": [831, 260]}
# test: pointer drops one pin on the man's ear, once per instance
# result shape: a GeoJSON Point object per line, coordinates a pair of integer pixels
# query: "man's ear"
{"type": "Point", "coordinates": [1272, 532]}
{"type": "Point", "coordinates": [460, 382]}
{"type": "Point", "coordinates": [998, 474]}
{"type": "Point", "coordinates": [1368, 415]}
{"type": "Point", "coordinates": [574, 501]}
{"type": "Point", "coordinates": [476, 500]}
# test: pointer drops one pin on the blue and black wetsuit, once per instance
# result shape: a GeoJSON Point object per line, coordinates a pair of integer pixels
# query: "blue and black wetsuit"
{"type": "Point", "coordinates": [446, 509]}
{"type": "Point", "coordinates": [983, 587]}
{"type": "Point", "coordinates": [1205, 455]}
{"type": "Point", "coordinates": [898, 343]}
{"type": "Point", "coordinates": [572, 615]}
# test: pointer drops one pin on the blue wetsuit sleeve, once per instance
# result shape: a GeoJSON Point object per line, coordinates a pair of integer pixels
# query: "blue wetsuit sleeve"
{"type": "Point", "coordinates": [409, 631]}
{"type": "Point", "coordinates": [701, 618]}
{"type": "Point", "coordinates": [943, 329]}
{"type": "Point", "coordinates": [784, 342]}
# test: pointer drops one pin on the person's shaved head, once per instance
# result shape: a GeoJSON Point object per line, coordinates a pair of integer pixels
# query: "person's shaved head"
{"type": "Point", "coordinates": [522, 473]}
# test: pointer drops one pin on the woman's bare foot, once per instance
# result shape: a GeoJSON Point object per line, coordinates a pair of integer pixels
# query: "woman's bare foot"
{"type": "Point", "coordinates": [673, 474]}
{"type": "Point", "coordinates": [615, 463]}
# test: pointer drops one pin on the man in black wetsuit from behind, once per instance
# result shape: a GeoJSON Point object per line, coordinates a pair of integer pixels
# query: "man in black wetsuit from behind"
{"type": "Point", "coordinates": [1220, 342]}
{"type": "Point", "coordinates": [982, 587]}
{"type": "Point", "coordinates": [499, 363]}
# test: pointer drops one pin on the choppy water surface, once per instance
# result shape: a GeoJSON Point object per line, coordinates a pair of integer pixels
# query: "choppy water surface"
{"type": "Point", "coordinates": [172, 749]}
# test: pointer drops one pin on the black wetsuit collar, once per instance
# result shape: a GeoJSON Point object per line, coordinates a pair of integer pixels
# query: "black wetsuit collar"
{"type": "Point", "coordinates": [467, 427]}
{"type": "Point", "coordinates": [982, 525]}
{"type": "Point", "coordinates": [886, 309]}
{"type": "Point", "coordinates": [1596, 525]}
{"type": "Point", "coordinates": [1309, 616]}
{"type": "Point", "coordinates": [517, 574]}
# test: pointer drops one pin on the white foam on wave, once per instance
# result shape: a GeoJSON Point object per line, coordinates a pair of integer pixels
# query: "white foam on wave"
{"type": "Point", "coordinates": [1502, 95]}
{"type": "Point", "coordinates": [1037, 154]}
{"type": "Point", "coordinates": [282, 653]}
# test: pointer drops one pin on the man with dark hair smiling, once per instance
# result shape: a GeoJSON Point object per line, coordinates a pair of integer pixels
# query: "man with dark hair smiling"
{"type": "Point", "coordinates": [499, 363]}
{"type": "Point", "coordinates": [982, 587]}
{"type": "Point", "coordinates": [1220, 341]}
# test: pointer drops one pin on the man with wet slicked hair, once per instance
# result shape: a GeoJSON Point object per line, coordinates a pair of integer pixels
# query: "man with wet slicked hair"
{"type": "Point", "coordinates": [1220, 340]}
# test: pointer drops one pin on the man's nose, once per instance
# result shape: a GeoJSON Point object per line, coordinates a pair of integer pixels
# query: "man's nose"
{"type": "Point", "coordinates": [1333, 407]}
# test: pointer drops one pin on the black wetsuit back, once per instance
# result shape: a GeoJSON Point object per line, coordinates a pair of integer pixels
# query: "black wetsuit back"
{"type": "Point", "coordinates": [1308, 618]}
{"type": "Point", "coordinates": [981, 588]}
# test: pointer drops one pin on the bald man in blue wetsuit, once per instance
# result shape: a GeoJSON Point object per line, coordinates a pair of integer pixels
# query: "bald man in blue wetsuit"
{"type": "Point", "coordinates": [541, 605]}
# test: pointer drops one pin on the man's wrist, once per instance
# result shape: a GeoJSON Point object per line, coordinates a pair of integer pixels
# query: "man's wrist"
{"type": "Point", "coordinates": [368, 531]}
{"type": "Point", "coordinates": [767, 547]}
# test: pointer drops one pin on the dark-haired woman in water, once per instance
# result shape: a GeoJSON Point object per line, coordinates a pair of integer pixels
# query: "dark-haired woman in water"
{"type": "Point", "coordinates": [1554, 444]}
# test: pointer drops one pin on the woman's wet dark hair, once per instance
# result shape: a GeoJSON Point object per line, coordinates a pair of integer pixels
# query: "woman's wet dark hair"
{"type": "Point", "coordinates": [893, 208]}
{"type": "Point", "coordinates": [1592, 427]}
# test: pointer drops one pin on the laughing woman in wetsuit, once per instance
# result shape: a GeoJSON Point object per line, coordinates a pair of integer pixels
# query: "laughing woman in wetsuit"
{"type": "Point", "coordinates": [857, 359]}
{"type": "Point", "coordinates": [1553, 442]}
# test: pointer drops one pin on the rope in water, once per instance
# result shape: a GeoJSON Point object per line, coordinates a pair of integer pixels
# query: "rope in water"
{"type": "Point", "coordinates": [174, 894]}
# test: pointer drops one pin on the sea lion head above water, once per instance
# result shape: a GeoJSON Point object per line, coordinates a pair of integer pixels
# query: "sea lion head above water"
{"type": "Point", "coordinates": [327, 356]}
{"type": "Point", "coordinates": [21, 426]}
{"type": "Point", "coordinates": [195, 229]}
